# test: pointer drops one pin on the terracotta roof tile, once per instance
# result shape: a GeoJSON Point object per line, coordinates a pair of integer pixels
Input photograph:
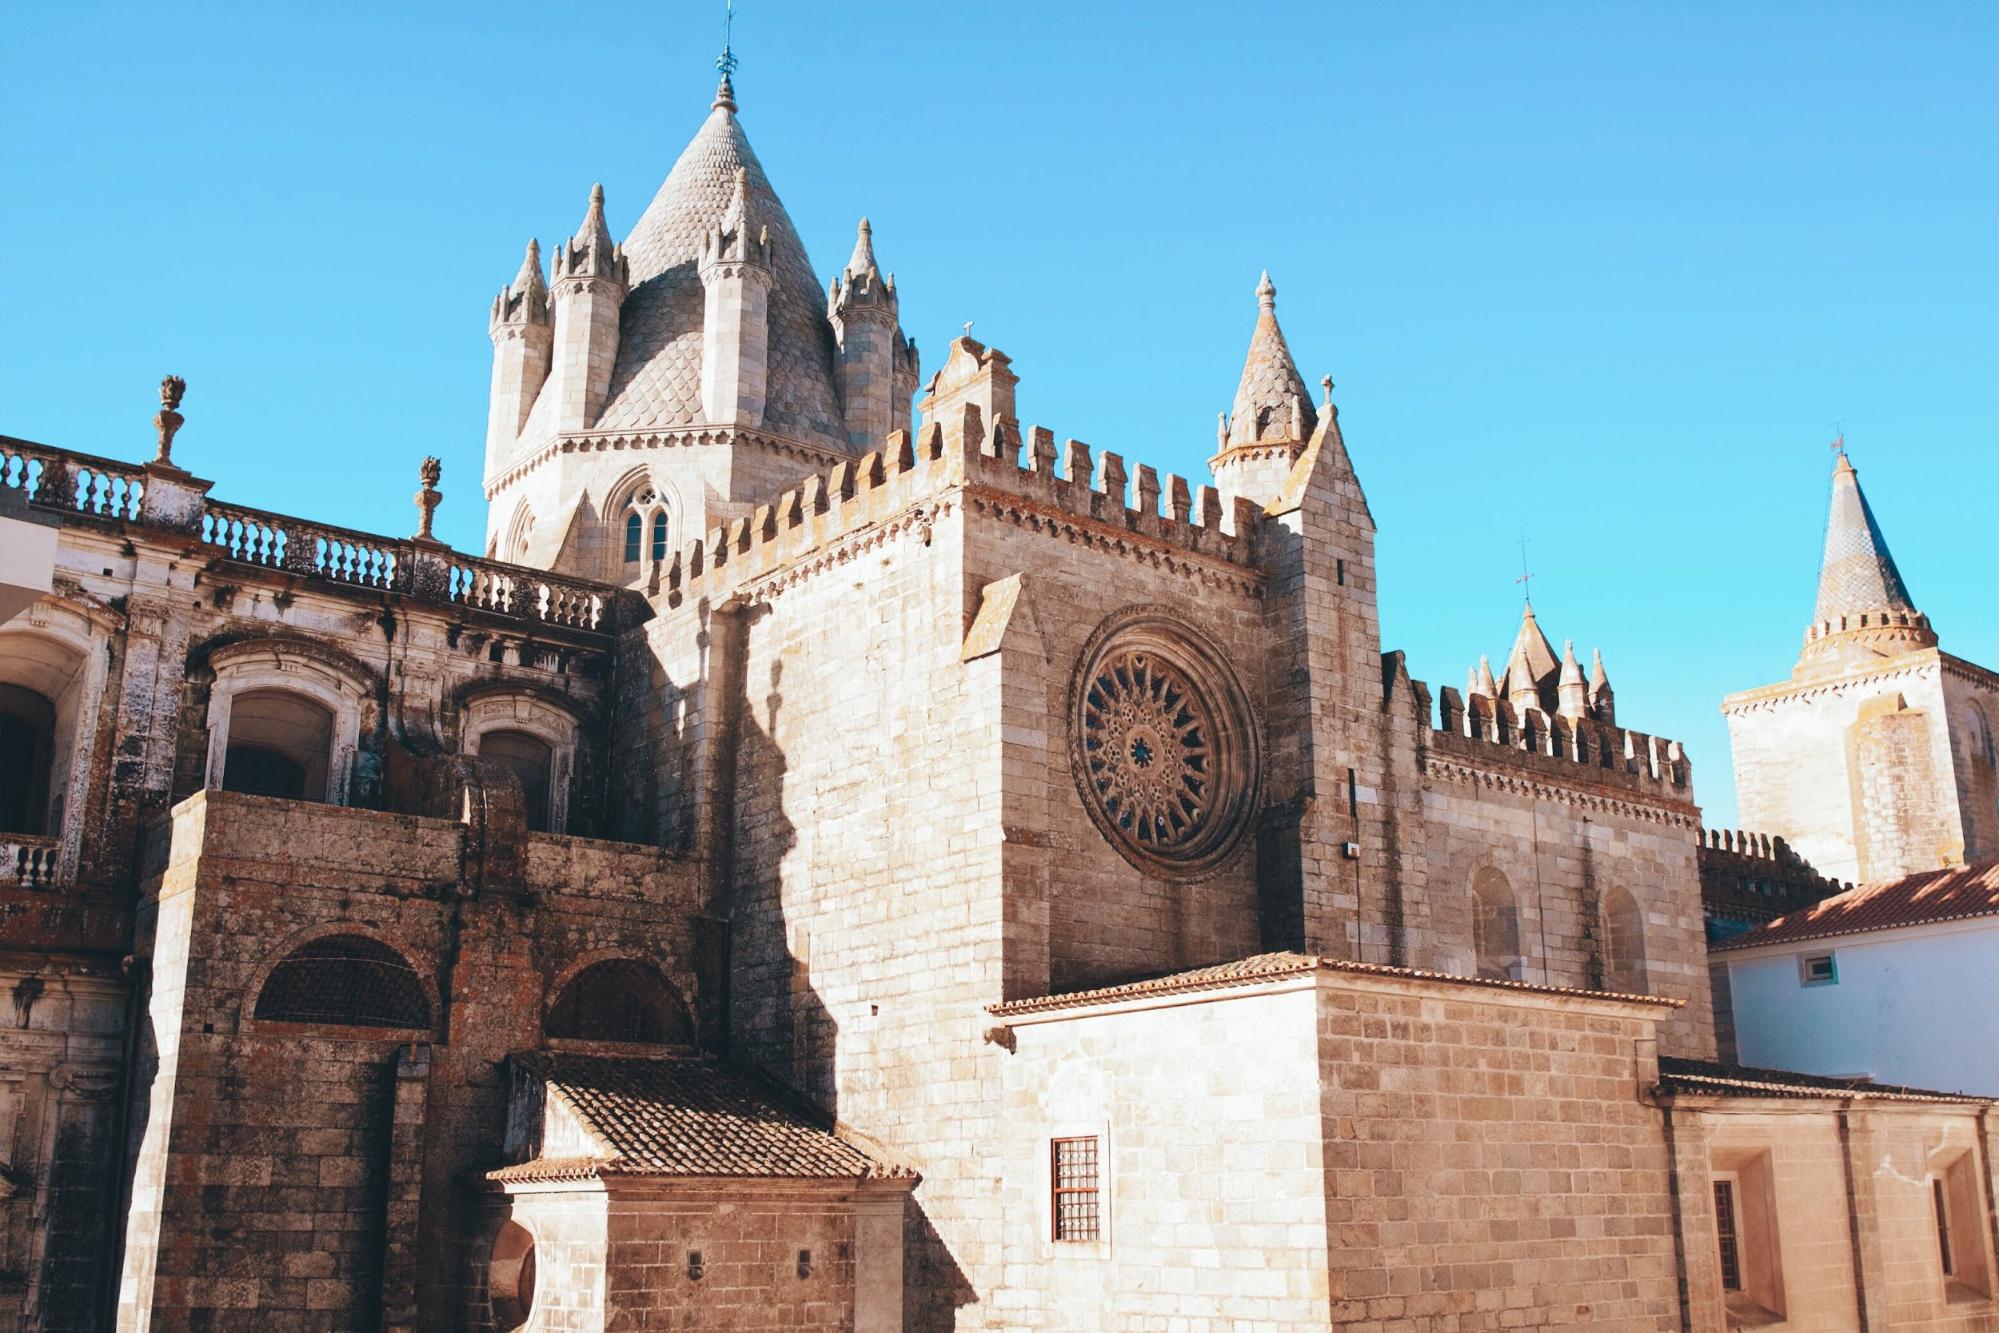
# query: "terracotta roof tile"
{"type": "Point", "coordinates": [1710, 1078]}
{"type": "Point", "coordinates": [689, 1117]}
{"type": "Point", "coordinates": [1275, 966]}
{"type": "Point", "coordinates": [1913, 900]}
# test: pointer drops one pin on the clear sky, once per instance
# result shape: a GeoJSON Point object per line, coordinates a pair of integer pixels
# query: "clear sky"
{"type": "Point", "coordinates": [1612, 275]}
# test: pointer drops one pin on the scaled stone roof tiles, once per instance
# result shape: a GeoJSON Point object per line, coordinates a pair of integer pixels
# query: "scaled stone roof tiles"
{"type": "Point", "coordinates": [1706, 1077]}
{"type": "Point", "coordinates": [1857, 573]}
{"type": "Point", "coordinates": [1277, 966]}
{"type": "Point", "coordinates": [656, 381]}
{"type": "Point", "coordinates": [688, 1117]}
{"type": "Point", "coordinates": [1923, 899]}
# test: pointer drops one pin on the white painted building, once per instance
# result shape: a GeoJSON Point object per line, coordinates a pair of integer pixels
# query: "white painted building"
{"type": "Point", "coordinates": [1897, 982]}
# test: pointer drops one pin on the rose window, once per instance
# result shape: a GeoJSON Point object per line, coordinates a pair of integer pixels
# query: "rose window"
{"type": "Point", "coordinates": [1162, 746]}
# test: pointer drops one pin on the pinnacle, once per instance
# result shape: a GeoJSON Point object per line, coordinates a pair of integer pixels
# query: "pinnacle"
{"type": "Point", "coordinates": [530, 275]}
{"type": "Point", "coordinates": [725, 96]}
{"type": "Point", "coordinates": [593, 232]}
{"type": "Point", "coordinates": [1271, 401]}
{"type": "Point", "coordinates": [863, 259]}
{"type": "Point", "coordinates": [1572, 671]}
{"type": "Point", "coordinates": [1598, 678]}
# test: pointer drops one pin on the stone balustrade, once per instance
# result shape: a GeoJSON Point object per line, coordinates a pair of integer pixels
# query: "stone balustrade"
{"type": "Point", "coordinates": [71, 482]}
{"type": "Point", "coordinates": [80, 483]}
{"type": "Point", "coordinates": [27, 861]}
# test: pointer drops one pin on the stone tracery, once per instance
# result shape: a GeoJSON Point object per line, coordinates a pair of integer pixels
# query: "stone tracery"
{"type": "Point", "coordinates": [1162, 745]}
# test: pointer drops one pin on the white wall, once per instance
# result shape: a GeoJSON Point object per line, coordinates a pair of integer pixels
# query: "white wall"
{"type": "Point", "coordinates": [1914, 1006]}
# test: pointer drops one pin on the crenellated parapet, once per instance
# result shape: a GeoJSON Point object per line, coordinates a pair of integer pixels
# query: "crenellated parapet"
{"type": "Point", "coordinates": [1749, 878]}
{"type": "Point", "coordinates": [1485, 730]}
{"type": "Point", "coordinates": [1094, 498]}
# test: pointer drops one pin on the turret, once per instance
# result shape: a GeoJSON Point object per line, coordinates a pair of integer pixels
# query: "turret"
{"type": "Point", "coordinates": [523, 339]}
{"type": "Point", "coordinates": [1530, 667]}
{"type": "Point", "coordinates": [736, 277]}
{"type": "Point", "coordinates": [590, 282]}
{"type": "Point", "coordinates": [876, 365]}
{"type": "Point", "coordinates": [1571, 692]}
{"type": "Point", "coordinates": [1602, 702]}
{"type": "Point", "coordinates": [1259, 440]}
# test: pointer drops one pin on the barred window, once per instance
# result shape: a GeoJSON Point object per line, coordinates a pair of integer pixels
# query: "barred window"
{"type": "Point", "coordinates": [1724, 1225]}
{"type": "Point", "coordinates": [622, 1000]}
{"type": "Point", "coordinates": [1074, 1177]}
{"type": "Point", "coordinates": [349, 980]}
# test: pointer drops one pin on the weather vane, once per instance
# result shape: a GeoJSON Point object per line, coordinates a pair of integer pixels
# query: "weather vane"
{"type": "Point", "coordinates": [1839, 440]}
{"type": "Point", "coordinates": [726, 62]}
{"type": "Point", "coordinates": [968, 328]}
{"type": "Point", "coordinates": [1526, 579]}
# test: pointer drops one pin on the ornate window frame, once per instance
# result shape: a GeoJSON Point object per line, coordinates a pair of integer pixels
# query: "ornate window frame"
{"type": "Point", "coordinates": [642, 494]}
{"type": "Point", "coordinates": [86, 633]}
{"type": "Point", "coordinates": [293, 667]}
{"type": "Point", "coordinates": [1224, 738]}
{"type": "Point", "coordinates": [501, 706]}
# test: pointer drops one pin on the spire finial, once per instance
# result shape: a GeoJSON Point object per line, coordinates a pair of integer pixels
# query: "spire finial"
{"type": "Point", "coordinates": [1526, 579]}
{"type": "Point", "coordinates": [725, 91]}
{"type": "Point", "coordinates": [428, 498]}
{"type": "Point", "coordinates": [1266, 292]}
{"type": "Point", "coordinates": [169, 420]}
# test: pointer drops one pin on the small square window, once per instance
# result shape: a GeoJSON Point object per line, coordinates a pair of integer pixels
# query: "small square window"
{"type": "Point", "coordinates": [1818, 969]}
{"type": "Point", "coordinates": [1073, 1178]}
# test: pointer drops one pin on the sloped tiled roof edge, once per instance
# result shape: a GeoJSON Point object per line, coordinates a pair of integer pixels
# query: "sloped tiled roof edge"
{"type": "Point", "coordinates": [686, 1116]}
{"type": "Point", "coordinates": [1710, 1078]}
{"type": "Point", "coordinates": [1277, 966]}
{"type": "Point", "coordinates": [1927, 898]}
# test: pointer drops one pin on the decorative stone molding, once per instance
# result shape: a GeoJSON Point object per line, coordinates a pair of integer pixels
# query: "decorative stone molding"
{"type": "Point", "coordinates": [291, 667]}
{"type": "Point", "coordinates": [1162, 744]}
{"type": "Point", "coordinates": [499, 706]}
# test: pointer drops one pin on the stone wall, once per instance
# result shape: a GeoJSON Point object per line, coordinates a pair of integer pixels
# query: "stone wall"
{"type": "Point", "coordinates": [272, 1155]}
{"type": "Point", "coordinates": [1809, 768]}
{"type": "Point", "coordinates": [1855, 1230]}
{"type": "Point", "coordinates": [1344, 1149]}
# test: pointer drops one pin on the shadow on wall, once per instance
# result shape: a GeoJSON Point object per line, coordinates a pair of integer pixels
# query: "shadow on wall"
{"type": "Point", "coordinates": [780, 1024]}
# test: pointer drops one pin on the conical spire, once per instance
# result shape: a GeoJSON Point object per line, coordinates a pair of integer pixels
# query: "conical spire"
{"type": "Point", "coordinates": [1532, 660]}
{"type": "Point", "coordinates": [1860, 591]}
{"type": "Point", "coordinates": [591, 252]}
{"type": "Point", "coordinates": [863, 258]}
{"type": "Point", "coordinates": [1486, 684]}
{"type": "Point", "coordinates": [1602, 700]}
{"type": "Point", "coordinates": [1271, 402]}
{"type": "Point", "coordinates": [529, 282]}
{"type": "Point", "coordinates": [1571, 693]}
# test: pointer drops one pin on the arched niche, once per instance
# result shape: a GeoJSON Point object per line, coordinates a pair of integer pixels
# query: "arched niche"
{"type": "Point", "coordinates": [505, 721]}
{"type": "Point", "coordinates": [297, 699]}
{"type": "Point", "coordinates": [54, 658]}
{"type": "Point", "coordinates": [1495, 916]}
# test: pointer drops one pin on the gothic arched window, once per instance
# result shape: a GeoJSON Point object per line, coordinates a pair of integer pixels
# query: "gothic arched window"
{"type": "Point", "coordinates": [1495, 927]}
{"type": "Point", "coordinates": [348, 980]}
{"type": "Point", "coordinates": [646, 526]}
{"type": "Point", "coordinates": [1624, 944]}
{"type": "Point", "coordinates": [621, 1000]}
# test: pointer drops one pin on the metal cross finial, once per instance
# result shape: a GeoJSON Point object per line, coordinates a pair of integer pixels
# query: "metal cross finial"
{"type": "Point", "coordinates": [1526, 579]}
{"type": "Point", "coordinates": [968, 328]}
{"type": "Point", "coordinates": [726, 62]}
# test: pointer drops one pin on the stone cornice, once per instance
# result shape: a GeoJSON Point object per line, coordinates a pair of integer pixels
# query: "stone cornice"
{"type": "Point", "coordinates": [1585, 795]}
{"type": "Point", "coordinates": [813, 455]}
{"type": "Point", "coordinates": [1215, 571]}
{"type": "Point", "coordinates": [1908, 664]}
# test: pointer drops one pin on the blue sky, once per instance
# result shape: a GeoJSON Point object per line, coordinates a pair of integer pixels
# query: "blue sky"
{"type": "Point", "coordinates": [1609, 274]}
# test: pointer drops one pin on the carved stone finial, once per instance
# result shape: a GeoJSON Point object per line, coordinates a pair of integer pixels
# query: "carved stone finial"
{"type": "Point", "coordinates": [168, 420]}
{"type": "Point", "coordinates": [429, 497]}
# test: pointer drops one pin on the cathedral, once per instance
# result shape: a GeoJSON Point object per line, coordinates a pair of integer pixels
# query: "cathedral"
{"type": "Point", "coordinates": [842, 858]}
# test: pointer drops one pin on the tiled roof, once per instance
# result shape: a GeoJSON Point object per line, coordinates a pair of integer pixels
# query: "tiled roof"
{"type": "Point", "coordinates": [1711, 1079]}
{"type": "Point", "coordinates": [1276, 966]}
{"type": "Point", "coordinates": [656, 382]}
{"type": "Point", "coordinates": [688, 1117]}
{"type": "Point", "coordinates": [1923, 899]}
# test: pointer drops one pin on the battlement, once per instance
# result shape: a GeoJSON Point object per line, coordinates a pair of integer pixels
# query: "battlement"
{"type": "Point", "coordinates": [1749, 878]}
{"type": "Point", "coordinates": [1093, 491]}
{"type": "Point", "coordinates": [1482, 729]}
